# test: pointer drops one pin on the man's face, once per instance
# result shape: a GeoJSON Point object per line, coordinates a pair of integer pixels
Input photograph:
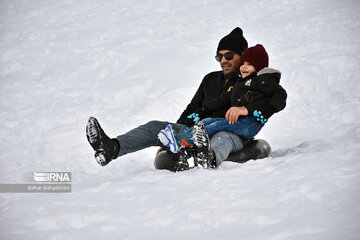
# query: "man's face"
{"type": "Point", "coordinates": [230, 66]}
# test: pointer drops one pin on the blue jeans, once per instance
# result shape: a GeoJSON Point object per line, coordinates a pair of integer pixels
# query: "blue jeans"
{"type": "Point", "coordinates": [246, 128]}
{"type": "Point", "coordinates": [222, 143]}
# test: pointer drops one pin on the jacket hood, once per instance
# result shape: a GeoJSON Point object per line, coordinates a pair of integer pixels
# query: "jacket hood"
{"type": "Point", "coordinates": [270, 71]}
{"type": "Point", "coordinates": [266, 70]}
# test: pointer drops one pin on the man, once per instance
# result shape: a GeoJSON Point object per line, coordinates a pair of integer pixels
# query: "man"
{"type": "Point", "coordinates": [223, 143]}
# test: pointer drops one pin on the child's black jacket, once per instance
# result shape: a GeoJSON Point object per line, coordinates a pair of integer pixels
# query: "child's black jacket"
{"type": "Point", "coordinates": [259, 91]}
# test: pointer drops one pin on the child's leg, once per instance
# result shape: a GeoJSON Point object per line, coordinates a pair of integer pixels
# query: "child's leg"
{"type": "Point", "coordinates": [249, 127]}
{"type": "Point", "coordinates": [185, 137]}
{"type": "Point", "coordinates": [208, 121]}
{"type": "Point", "coordinates": [246, 127]}
{"type": "Point", "coordinates": [185, 134]}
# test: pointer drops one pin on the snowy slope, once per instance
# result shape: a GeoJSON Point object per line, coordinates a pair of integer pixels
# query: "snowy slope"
{"type": "Point", "coordinates": [122, 62]}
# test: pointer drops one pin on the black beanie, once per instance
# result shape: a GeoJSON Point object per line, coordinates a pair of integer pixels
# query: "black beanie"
{"type": "Point", "coordinates": [234, 41]}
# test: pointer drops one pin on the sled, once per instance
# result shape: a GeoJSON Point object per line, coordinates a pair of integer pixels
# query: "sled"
{"type": "Point", "coordinates": [255, 149]}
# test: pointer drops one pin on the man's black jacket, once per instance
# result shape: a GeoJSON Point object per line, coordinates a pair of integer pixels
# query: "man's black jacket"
{"type": "Point", "coordinates": [212, 86]}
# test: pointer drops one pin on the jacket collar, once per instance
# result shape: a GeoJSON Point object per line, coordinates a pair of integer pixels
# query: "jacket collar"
{"type": "Point", "coordinates": [227, 76]}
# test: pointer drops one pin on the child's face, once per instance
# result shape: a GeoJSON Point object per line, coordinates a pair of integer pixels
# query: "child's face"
{"type": "Point", "coordinates": [246, 69]}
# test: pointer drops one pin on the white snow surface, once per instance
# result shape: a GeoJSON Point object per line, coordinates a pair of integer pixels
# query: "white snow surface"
{"type": "Point", "coordinates": [129, 62]}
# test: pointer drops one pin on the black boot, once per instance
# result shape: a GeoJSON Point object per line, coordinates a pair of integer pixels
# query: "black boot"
{"type": "Point", "coordinates": [190, 157]}
{"type": "Point", "coordinates": [106, 149]}
{"type": "Point", "coordinates": [204, 156]}
{"type": "Point", "coordinates": [186, 159]}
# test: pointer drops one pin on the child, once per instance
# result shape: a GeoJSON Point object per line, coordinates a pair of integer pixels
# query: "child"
{"type": "Point", "coordinates": [253, 99]}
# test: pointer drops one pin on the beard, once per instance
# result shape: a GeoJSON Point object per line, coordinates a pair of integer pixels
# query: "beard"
{"type": "Point", "coordinates": [229, 69]}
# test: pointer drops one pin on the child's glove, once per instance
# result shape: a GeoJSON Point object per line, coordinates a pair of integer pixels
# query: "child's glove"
{"type": "Point", "coordinates": [264, 114]}
{"type": "Point", "coordinates": [260, 117]}
{"type": "Point", "coordinates": [195, 117]}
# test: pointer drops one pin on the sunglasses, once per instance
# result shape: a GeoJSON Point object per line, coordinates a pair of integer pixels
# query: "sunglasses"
{"type": "Point", "coordinates": [228, 56]}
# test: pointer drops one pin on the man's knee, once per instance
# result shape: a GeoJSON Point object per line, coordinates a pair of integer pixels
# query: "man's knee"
{"type": "Point", "coordinates": [232, 141]}
{"type": "Point", "coordinates": [156, 124]}
{"type": "Point", "coordinates": [223, 136]}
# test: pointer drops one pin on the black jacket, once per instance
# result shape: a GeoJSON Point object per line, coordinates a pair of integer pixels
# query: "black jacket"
{"type": "Point", "coordinates": [259, 91]}
{"type": "Point", "coordinates": [212, 87]}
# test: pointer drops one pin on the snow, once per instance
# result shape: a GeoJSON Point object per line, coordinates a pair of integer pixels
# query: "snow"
{"type": "Point", "coordinates": [123, 62]}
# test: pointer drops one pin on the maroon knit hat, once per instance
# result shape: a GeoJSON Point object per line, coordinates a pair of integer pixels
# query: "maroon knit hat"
{"type": "Point", "coordinates": [256, 56]}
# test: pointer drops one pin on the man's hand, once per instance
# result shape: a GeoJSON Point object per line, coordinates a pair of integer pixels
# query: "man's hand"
{"type": "Point", "coordinates": [233, 114]}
